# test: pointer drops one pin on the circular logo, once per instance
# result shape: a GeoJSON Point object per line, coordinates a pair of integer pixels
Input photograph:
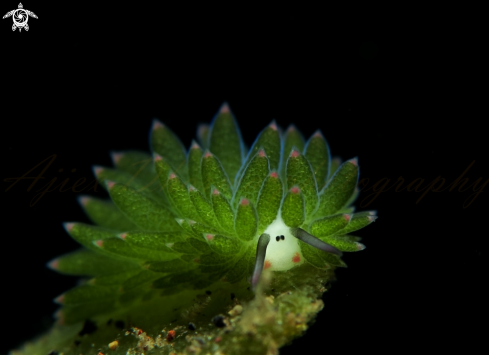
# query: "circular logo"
{"type": "Point", "coordinates": [20, 17]}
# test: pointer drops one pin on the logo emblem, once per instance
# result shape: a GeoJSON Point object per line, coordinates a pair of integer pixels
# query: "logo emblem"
{"type": "Point", "coordinates": [20, 17]}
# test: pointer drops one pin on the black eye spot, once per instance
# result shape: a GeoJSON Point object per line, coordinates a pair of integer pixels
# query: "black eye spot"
{"type": "Point", "coordinates": [282, 237]}
{"type": "Point", "coordinates": [208, 293]}
{"type": "Point", "coordinates": [119, 324]}
{"type": "Point", "coordinates": [191, 326]}
{"type": "Point", "coordinates": [277, 238]}
{"type": "Point", "coordinates": [232, 296]}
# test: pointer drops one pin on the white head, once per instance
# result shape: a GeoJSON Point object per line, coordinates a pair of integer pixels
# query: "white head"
{"type": "Point", "coordinates": [283, 250]}
{"type": "Point", "coordinates": [278, 248]}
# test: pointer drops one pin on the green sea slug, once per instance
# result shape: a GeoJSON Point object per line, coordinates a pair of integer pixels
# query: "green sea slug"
{"type": "Point", "coordinates": [216, 250]}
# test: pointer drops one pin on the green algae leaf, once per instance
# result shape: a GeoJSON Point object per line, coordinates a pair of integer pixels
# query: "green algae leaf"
{"type": "Point", "coordinates": [339, 189]}
{"type": "Point", "coordinates": [105, 214]}
{"type": "Point", "coordinates": [213, 175]}
{"type": "Point", "coordinates": [225, 142]}
{"type": "Point", "coordinates": [292, 138]}
{"type": "Point", "coordinates": [252, 178]}
{"type": "Point", "coordinates": [317, 153]}
{"type": "Point", "coordinates": [293, 208]}
{"type": "Point", "coordinates": [269, 200]}
{"type": "Point", "coordinates": [165, 143]}
{"type": "Point", "coordinates": [299, 173]}
{"type": "Point", "coordinates": [194, 158]}
{"type": "Point", "coordinates": [85, 262]}
{"type": "Point", "coordinates": [268, 140]}
{"type": "Point", "coordinates": [223, 211]}
{"type": "Point", "coordinates": [246, 222]}
{"type": "Point", "coordinates": [143, 212]}
{"type": "Point", "coordinates": [329, 225]}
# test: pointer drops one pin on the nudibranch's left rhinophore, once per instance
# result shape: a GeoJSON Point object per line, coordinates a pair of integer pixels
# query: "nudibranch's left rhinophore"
{"type": "Point", "coordinates": [188, 236]}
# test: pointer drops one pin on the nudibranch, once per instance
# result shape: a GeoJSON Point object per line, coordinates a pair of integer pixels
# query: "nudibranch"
{"type": "Point", "coordinates": [179, 220]}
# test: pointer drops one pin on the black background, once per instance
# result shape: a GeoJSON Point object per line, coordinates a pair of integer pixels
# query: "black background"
{"type": "Point", "coordinates": [399, 88]}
